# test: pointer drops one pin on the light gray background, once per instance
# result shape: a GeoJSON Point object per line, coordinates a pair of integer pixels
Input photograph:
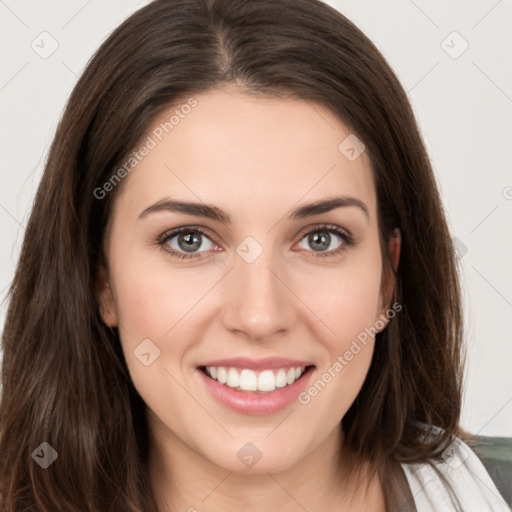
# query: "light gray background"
{"type": "Point", "coordinates": [463, 103]}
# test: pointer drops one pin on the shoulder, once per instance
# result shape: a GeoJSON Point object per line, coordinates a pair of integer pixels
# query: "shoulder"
{"type": "Point", "coordinates": [495, 453]}
{"type": "Point", "coordinates": [464, 477]}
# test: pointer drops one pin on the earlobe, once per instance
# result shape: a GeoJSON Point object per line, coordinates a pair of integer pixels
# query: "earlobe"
{"type": "Point", "coordinates": [105, 299]}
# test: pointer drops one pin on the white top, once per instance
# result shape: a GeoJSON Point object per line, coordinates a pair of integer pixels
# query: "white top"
{"type": "Point", "coordinates": [471, 483]}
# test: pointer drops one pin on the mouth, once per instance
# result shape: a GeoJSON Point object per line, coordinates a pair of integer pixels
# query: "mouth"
{"type": "Point", "coordinates": [246, 380]}
{"type": "Point", "coordinates": [255, 392]}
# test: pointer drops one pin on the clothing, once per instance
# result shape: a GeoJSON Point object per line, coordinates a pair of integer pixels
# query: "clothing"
{"type": "Point", "coordinates": [463, 467]}
{"type": "Point", "coordinates": [496, 455]}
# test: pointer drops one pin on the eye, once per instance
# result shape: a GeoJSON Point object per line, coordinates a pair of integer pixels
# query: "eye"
{"type": "Point", "coordinates": [185, 242]}
{"type": "Point", "coordinates": [324, 244]}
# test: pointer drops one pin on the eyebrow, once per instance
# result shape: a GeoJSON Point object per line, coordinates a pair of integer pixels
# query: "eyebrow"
{"type": "Point", "coordinates": [213, 212]}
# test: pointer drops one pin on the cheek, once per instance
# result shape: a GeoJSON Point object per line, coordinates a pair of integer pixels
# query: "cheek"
{"type": "Point", "coordinates": [349, 310]}
{"type": "Point", "coordinates": [353, 304]}
{"type": "Point", "coordinates": [165, 306]}
{"type": "Point", "coordinates": [157, 305]}
{"type": "Point", "coordinates": [345, 299]}
{"type": "Point", "coordinates": [151, 297]}
{"type": "Point", "coordinates": [347, 302]}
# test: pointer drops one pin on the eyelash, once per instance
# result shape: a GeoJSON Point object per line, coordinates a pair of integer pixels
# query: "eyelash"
{"type": "Point", "coordinates": [348, 241]}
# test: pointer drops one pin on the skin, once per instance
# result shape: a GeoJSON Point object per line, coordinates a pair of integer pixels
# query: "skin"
{"type": "Point", "coordinates": [256, 158]}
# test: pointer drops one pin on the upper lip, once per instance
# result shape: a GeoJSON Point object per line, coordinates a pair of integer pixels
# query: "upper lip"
{"type": "Point", "coordinates": [269, 363]}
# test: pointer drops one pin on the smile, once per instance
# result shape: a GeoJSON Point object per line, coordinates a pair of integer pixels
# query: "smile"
{"type": "Point", "coordinates": [249, 380]}
{"type": "Point", "coordinates": [268, 387]}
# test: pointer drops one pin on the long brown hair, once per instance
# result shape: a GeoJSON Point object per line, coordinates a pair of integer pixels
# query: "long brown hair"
{"type": "Point", "coordinates": [64, 377]}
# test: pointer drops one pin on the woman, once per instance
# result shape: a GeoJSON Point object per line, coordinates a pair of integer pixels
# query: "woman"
{"type": "Point", "coordinates": [237, 288]}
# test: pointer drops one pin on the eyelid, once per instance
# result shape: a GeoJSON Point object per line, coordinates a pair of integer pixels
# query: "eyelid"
{"type": "Point", "coordinates": [327, 226]}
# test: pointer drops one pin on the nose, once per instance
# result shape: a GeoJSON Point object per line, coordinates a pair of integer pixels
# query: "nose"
{"type": "Point", "coordinates": [259, 301]}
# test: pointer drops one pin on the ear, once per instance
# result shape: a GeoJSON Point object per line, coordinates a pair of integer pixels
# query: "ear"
{"type": "Point", "coordinates": [105, 298]}
{"type": "Point", "coordinates": [388, 280]}
{"type": "Point", "coordinates": [395, 244]}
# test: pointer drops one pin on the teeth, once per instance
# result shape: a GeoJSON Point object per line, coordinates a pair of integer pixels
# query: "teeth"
{"type": "Point", "coordinates": [281, 379]}
{"type": "Point", "coordinates": [266, 381]}
{"type": "Point", "coordinates": [233, 378]}
{"type": "Point", "coordinates": [222, 374]}
{"type": "Point", "coordinates": [248, 380]}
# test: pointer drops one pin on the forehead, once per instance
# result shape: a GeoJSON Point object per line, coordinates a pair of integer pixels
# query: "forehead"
{"type": "Point", "coordinates": [248, 154]}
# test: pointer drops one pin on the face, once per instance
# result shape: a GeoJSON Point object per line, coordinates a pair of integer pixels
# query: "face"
{"type": "Point", "coordinates": [249, 282]}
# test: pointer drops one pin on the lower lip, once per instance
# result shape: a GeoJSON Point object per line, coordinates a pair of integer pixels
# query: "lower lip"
{"type": "Point", "coordinates": [246, 402]}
